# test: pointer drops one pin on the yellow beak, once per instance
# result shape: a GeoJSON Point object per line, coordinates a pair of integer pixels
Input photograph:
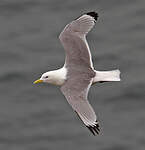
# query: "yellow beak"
{"type": "Point", "coordinates": [37, 81]}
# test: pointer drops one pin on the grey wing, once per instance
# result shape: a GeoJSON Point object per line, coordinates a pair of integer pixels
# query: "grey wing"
{"type": "Point", "coordinates": [76, 95]}
{"type": "Point", "coordinates": [73, 39]}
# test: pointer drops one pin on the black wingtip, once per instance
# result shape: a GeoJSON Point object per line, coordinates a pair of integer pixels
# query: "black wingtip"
{"type": "Point", "coordinates": [95, 129]}
{"type": "Point", "coordinates": [93, 14]}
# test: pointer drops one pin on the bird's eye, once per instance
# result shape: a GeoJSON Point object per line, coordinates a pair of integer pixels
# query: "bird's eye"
{"type": "Point", "coordinates": [46, 77]}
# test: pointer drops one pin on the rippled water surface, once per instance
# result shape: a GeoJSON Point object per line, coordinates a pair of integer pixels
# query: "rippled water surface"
{"type": "Point", "coordinates": [38, 117]}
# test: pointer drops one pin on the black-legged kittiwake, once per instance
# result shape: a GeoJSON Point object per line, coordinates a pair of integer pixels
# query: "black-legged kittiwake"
{"type": "Point", "coordinates": [78, 74]}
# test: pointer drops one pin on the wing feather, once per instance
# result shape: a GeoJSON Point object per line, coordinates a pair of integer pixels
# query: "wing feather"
{"type": "Point", "coordinates": [77, 98]}
{"type": "Point", "coordinates": [80, 72]}
{"type": "Point", "coordinates": [73, 39]}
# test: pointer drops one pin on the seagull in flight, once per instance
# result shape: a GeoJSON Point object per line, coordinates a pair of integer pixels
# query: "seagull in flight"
{"type": "Point", "coordinates": [78, 74]}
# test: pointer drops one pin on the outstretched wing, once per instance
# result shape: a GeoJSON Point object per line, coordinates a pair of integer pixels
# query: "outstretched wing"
{"type": "Point", "coordinates": [73, 39]}
{"type": "Point", "coordinates": [76, 90]}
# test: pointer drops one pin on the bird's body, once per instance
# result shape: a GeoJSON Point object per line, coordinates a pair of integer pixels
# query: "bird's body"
{"type": "Point", "coordinates": [78, 74]}
{"type": "Point", "coordinates": [59, 76]}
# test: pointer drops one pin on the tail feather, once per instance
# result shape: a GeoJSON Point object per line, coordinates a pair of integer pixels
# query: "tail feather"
{"type": "Point", "coordinates": [104, 76]}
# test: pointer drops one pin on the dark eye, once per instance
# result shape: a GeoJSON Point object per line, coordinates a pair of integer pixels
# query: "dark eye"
{"type": "Point", "coordinates": [46, 77]}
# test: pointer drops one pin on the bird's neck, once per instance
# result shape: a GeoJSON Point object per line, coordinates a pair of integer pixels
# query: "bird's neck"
{"type": "Point", "coordinates": [58, 76]}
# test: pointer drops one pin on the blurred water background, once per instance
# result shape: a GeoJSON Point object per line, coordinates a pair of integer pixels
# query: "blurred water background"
{"type": "Point", "coordinates": [37, 117]}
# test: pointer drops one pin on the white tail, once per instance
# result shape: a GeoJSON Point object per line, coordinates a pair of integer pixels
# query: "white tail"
{"type": "Point", "coordinates": [113, 75]}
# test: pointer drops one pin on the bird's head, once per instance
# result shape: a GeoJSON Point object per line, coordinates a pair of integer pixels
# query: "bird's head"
{"type": "Point", "coordinates": [46, 77]}
{"type": "Point", "coordinates": [55, 77]}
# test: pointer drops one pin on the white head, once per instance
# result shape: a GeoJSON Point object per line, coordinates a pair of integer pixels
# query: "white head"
{"type": "Point", "coordinates": [55, 77]}
{"type": "Point", "coordinates": [46, 77]}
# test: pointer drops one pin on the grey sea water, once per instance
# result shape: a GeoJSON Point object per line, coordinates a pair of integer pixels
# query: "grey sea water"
{"type": "Point", "coordinates": [37, 117]}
